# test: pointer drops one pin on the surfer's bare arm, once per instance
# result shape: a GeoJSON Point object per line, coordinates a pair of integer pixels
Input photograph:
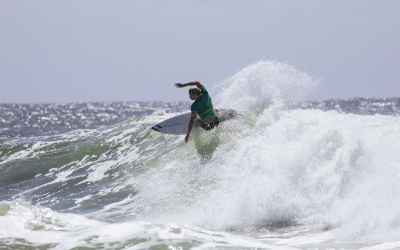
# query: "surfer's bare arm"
{"type": "Point", "coordinates": [194, 83]}
{"type": "Point", "coordinates": [191, 123]}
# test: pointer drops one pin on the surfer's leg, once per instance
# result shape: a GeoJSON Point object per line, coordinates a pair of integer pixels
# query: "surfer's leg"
{"type": "Point", "coordinates": [217, 111]}
{"type": "Point", "coordinates": [223, 115]}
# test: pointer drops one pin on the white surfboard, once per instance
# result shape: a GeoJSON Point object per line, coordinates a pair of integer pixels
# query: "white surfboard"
{"type": "Point", "coordinates": [178, 125]}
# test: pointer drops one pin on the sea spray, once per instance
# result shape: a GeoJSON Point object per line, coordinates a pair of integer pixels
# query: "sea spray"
{"type": "Point", "coordinates": [262, 84]}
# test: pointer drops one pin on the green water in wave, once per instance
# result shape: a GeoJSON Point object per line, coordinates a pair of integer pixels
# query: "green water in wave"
{"type": "Point", "coordinates": [55, 171]}
{"type": "Point", "coordinates": [85, 170]}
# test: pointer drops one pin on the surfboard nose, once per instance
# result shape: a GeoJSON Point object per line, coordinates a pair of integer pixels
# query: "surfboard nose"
{"type": "Point", "coordinates": [156, 128]}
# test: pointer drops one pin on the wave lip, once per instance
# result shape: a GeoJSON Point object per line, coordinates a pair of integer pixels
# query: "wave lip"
{"type": "Point", "coordinates": [262, 84]}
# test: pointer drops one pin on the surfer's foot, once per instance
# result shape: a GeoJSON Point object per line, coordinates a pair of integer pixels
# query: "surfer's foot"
{"type": "Point", "coordinates": [232, 114]}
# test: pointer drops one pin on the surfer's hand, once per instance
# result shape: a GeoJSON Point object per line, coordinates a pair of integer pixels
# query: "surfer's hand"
{"type": "Point", "coordinates": [187, 137]}
{"type": "Point", "coordinates": [179, 85]}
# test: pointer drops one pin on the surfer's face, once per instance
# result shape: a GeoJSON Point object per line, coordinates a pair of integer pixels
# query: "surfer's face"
{"type": "Point", "coordinates": [193, 96]}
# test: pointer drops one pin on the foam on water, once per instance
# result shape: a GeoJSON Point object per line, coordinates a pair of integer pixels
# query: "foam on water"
{"type": "Point", "coordinates": [33, 227]}
{"type": "Point", "coordinates": [302, 178]}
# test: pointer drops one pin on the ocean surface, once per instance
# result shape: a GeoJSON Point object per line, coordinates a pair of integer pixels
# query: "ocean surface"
{"type": "Point", "coordinates": [37, 119]}
{"type": "Point", "coordinates": [285, 175]}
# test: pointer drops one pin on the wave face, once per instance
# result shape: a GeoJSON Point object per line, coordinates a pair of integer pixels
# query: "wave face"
{"type": "Point", "coordinates": [275, 178]}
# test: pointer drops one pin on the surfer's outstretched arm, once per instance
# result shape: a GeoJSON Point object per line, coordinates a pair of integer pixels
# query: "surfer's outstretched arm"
{"type": "Point", "coordinates": [191, 123]}
{"type": "Point", "coordinates": [194, 83]}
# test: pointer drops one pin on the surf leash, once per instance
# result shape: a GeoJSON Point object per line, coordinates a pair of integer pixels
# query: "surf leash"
{"type": "Point", "coordinates": [247, 118]}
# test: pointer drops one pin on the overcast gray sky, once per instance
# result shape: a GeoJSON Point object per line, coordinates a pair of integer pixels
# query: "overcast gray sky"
{"type": "Point", "coordinates": [94, 50]}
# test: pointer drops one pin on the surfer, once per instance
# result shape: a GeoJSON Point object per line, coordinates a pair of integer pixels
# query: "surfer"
{"type": "Point", "coordinates": [202, 106]}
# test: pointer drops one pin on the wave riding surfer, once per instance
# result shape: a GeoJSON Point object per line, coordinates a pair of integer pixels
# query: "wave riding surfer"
{"type": "Point", "coordinates": [202, 106]}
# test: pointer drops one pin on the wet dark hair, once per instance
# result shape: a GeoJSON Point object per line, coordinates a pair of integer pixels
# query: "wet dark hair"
{"type": "Point", "coordinates": [195, 91]}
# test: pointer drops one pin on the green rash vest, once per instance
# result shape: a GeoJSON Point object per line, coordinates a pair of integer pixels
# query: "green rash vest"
{"type": "Point", "coordinates": [203, 105]}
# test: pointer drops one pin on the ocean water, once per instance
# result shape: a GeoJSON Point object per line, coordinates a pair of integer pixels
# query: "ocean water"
{"type": "Point", "coordinates": [38, 119]}
{"type": "Point", "coordinates": [276, 178]}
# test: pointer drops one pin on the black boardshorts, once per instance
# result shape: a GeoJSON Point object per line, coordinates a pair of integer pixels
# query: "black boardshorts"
{"type": "Point", "coordinates": [210, 126]}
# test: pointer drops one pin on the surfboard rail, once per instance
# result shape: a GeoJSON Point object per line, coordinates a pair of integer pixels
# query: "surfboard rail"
{"type": "Point", "coordinates": [178, 125]}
